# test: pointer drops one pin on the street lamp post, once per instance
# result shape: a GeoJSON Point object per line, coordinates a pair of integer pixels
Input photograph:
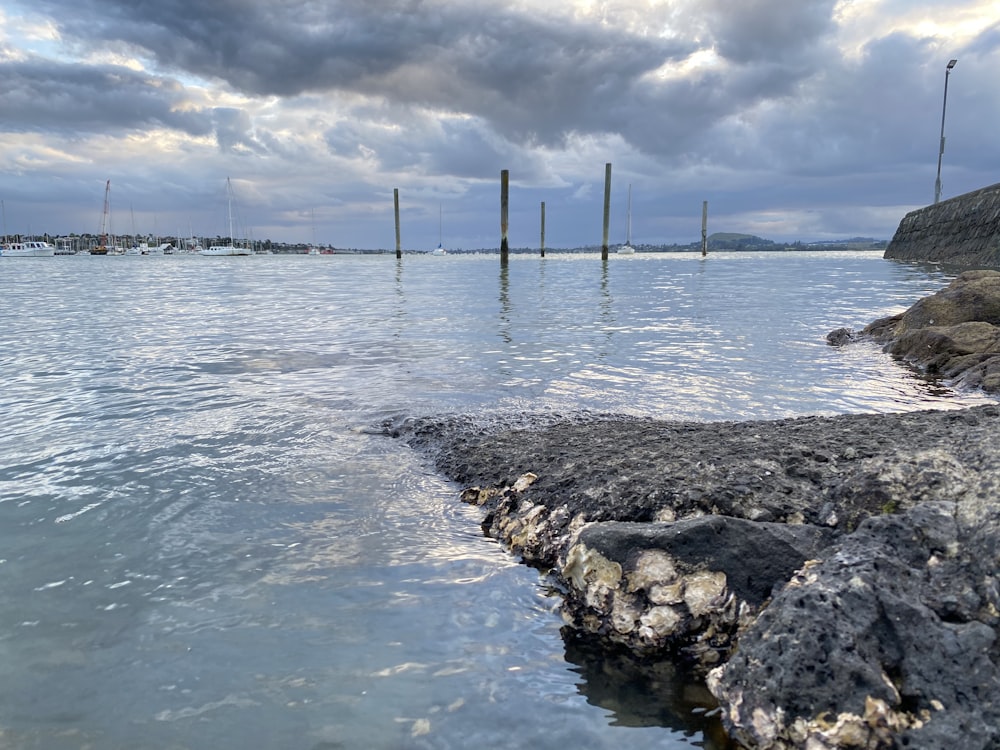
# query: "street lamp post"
{"type": "Point", "coordinates": [944, 105]}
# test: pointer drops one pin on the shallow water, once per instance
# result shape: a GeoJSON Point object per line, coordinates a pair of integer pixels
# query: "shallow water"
{"type": "Point", "coordinates": [204, 545]}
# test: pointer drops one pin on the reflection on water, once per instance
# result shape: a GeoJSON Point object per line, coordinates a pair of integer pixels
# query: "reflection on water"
{"type": "Point", "coordinates": [643, 692]}
{"type": "Point", "coordinates": [203, 545]}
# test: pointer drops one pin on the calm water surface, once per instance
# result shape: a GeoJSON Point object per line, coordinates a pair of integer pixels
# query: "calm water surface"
{"type": "Point", "coordinates": [203, 545]}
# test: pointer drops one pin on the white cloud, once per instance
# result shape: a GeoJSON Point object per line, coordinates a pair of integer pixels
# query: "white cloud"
{"type": "Point", "coordinates": [821, 117]}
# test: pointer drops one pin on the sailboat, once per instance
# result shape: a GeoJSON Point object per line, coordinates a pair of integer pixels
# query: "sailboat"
{"type": "Point", "coordinates": [232, 248]}
{"type": "Point", "coordinates": [627, 248]}
{"type": "Point", "coordinates": [102, 247]}
{"type": "Point", "coordinates": [135, 248]}
{"type": "Point", "coordinates": [439, 250]}
{"type": "Point", "coordinates": [312, 248]}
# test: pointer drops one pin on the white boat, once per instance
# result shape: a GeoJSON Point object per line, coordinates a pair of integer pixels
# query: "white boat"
{"type": "Point", "coordinates": [225, 250]}
{"type": "Point", "coordinates": [64, 246]}
{"type": "Point", "coordinates": [439, 250]}
{"type": "Point", "coordinates": [312, 248]}
{"type": "Point", "coordinates": [627, 248]}
{"type": "Point", "coordinates": [232, 248]}
{"type": "Point", "coordinates": [106, 241]}
{"type": "Point", "coordinates": [28, 249]}
{"type": "Point", "coordinates": [25, 248]}
{"type": "Point", "coordinates": [189, 246]}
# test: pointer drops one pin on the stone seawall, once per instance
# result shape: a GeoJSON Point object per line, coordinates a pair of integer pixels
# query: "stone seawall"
{"type": "Point", "coordinates": [962, 231]}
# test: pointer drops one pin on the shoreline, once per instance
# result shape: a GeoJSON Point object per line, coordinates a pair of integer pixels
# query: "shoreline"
{"type": "Point", "coordinates": [834, 581]}
{"type": "Point", "coordinates": [673, 539]}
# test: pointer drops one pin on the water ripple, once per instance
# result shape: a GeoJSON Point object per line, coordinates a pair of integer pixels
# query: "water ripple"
{"type": "Point", "coordinates": [204, 545]}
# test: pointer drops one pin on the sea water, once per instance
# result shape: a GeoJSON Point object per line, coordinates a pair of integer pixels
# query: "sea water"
{"type": "Point", "coordinates": [206, 543]}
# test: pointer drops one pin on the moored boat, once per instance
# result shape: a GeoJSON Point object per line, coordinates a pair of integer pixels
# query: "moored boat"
{"type": "Point", "coordinates": [225, 250]}
{"type": "Point", "coordinates": [627, 248]}
{"type": "Point", "coordinates": [232, 247]}
{"type": "Point", "coordinates": [28, 249]}
{"type": "Point", "coordinates": [439, 250]}
{"type": "Point", "coordinates": [65, 246]}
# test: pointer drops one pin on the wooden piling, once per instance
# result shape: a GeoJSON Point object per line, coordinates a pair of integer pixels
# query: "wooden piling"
{"type": "Point", "coordinates": [543, 229]}
{"type": "Point", "coordinates": [704, 228]}
{"type": "Point", "coordinates": [395, 199]}
{"type": "Point", "coordinates": [504, 181]}
{"type": "Point", "coordinates": [607, 209]}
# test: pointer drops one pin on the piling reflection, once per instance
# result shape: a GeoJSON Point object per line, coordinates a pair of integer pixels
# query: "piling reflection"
{"type": "Point", "coordinates": [645, 693]}
{"type": "Point", "coordinates": [505, 307]}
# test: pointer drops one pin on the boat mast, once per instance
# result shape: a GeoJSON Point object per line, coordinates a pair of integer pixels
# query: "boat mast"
{"type": "Point", "coordinates": [229, 195]}
{"type": "Point", "coordinates": [105, 220]}
{"type": "Point", "coordinates": [628, 218]}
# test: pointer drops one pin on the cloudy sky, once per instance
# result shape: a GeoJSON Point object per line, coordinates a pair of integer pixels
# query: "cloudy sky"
{"type": "Point", "coordinates": [794, 119]}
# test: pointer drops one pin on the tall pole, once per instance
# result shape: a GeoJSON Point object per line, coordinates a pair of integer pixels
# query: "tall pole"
{"type": "Point", "coordinates": [704, 228]}
{"type": "Point", "coordinates": [944, 106]}
{"type": "Point", "coordinates": [607, 209]}
{"type": "Point", "coordinates": [395, 200]}
{"type": "Point", "coordinates": [504, 182]}
{"type": "Point", "coordinates": [543, 229]}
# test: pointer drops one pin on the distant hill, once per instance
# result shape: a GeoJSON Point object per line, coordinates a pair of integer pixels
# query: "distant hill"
{"type": "Point", "coordinates": [733, 237]}
{"type": "Point", "coordinates": [737, 241]}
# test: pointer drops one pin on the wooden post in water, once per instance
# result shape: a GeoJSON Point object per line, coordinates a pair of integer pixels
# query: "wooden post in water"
{"type": "Point", "coordinates": [395, 199]}
{"type": "Point", "coordinates": [543, 229]}
{"type": "Point", "coordinates": [704, 228]}
{"type": "Point", "coordinates": [607, 209]}
{"type": "Point", "coordinates": [504, 181]}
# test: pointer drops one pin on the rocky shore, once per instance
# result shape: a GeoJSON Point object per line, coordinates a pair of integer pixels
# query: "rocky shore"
{"type": "Point", "coordinates": [834, 580]}
{"type": "Point", "coordinates": [953, 334]}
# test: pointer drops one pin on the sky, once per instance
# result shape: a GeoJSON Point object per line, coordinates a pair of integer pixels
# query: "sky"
{"type": "Point", "coordinates": [802, 120]}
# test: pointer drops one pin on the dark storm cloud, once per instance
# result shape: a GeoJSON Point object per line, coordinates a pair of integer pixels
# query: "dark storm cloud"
{"type": "Point", "coordinates": [535, 80]}
{"type": "Point", "coordinates": [756, 31]}
{"type": "Point", "coordinates": [54, 97]}
{"type": "Point", "coordinates": [234, 131]}
{"type": "Point", "coordinates": [761, 104]}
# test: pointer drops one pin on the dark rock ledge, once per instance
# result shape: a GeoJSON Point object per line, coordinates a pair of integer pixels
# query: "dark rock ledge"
{"type": "Point", "coordinates": [835, 580]}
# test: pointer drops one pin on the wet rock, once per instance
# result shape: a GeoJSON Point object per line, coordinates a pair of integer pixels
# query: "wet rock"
{"type": "Point", "coordinates": [836, 576]}
{"type": "Point", "coordinates": [861, 650]}
{"type": "Point", "coordinates": [841, 336]}
{"type": "Point", "coordinates": [686, 586]}
{"type": "Point", "coordinates": [953, 334]}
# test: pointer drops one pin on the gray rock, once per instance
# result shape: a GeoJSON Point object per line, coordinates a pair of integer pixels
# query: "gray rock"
{"type": "Point", "coordinates": [885, 529]}
{"type": "Point", "coordinates": [954, 334]}
{"type": "Point", "coordinates": [686, 586]}
{"type": "Point", "coordinates": [888, 642]}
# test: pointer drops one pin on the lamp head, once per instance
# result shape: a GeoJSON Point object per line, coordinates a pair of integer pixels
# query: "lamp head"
{"type": "Point", "coordinates": [951, 64]}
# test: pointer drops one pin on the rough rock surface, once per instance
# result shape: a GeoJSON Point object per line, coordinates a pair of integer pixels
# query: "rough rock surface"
{"type": "Point", "coordinates": [962, 231]}
{"type": "Point", "coordinates": [953, 334]}
{"type": "Point", "coordinates": [835, 577]}
{"type": "Point", "coordinates": [686, 586]}
{"type": "Point", "coordinates": [889, 641]}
